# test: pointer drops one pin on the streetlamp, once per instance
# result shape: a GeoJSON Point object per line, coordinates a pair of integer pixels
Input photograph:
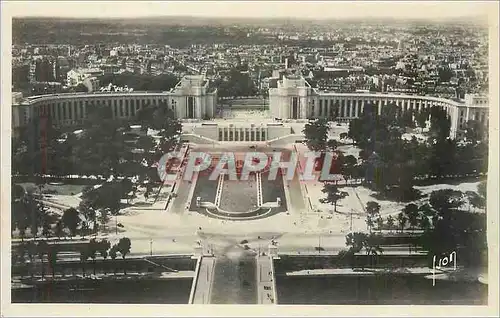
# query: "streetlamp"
{"type": "Point", "coordinates": [319, 243]}
{"type": "Point", "coordinates": [351, 221]}
{"type": "Point", "coordinates": [116, 224]}
{"type": "Point", "coordinates": [150, 247]}
{"type": "Point", "coordinates": [174, 107]}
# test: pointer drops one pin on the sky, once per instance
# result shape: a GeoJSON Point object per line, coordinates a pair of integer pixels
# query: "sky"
{"type": "Point", "coordinates": [265, 9]}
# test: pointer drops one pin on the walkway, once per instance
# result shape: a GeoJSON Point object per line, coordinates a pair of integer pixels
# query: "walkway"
{"type": "Point", "coordinates": [180, 202]}
{"type": "Point", "coordinates": [234, 280]}
{"type": "Point", "coordinates": [265, 281]}
{"type": "Point", "coordinates": [297, 204]}
{"type": "Point", "coordinates": [203, 288]}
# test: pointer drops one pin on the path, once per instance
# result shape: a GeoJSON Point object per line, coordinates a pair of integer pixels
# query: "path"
{"type": "Point", "coordinates": [234, 280]}
{"type": "Point", "coordinates": [297, 205]}
{"type": "Point", "coordinates": [180, 202]}
{"type": "Point", "coordinates": [203, 288]}
{"type": "Point", "coordinates": [265, 281]}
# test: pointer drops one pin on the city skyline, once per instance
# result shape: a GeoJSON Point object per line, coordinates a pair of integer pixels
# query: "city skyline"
{"type": "Point", "coordinates": [254, 9]}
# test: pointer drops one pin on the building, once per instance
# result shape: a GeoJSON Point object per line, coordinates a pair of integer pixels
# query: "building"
{"type": "Point", "coordinates": [243, 132]}
{"type": "Point", "coordinates": [92, 84]}
{"type": "Point", "coordinates": [289, 98]}
{"type": "Point", "coordinates": [293, 98]}
{"type": "Point", "coordinates": [41, 88]}
{"type": "Point", "coordinates": [43, 70]}
{"type": "Point", "coordinates": [16, 97]}
{"type": "Point", "coordinates": [76, 77]}
{"type": "Point", "coordinates": [193, 97]}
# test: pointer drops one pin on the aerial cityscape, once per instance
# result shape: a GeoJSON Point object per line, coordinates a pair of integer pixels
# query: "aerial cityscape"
{"type": "Point", "coordinates": [186, 160]}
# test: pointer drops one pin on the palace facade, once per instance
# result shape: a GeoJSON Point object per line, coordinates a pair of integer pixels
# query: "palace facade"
{"type": "Point", "coordinates": [192, 97]}
{"type": "Point", "coordinates": [293, 98]}
{"type": "Point", "coordinates": [290, 98]}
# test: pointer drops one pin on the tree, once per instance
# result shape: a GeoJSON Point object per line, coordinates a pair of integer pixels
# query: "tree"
{"type": "Point", "coordinates": [475, 131]}
{"type": "Point", "coordinates": [426, 210]}
{"type": "Point", "coordinates": [464, 232]}
{"type": "Point", "coordinates": [42, 248]}
{"type": "Point", "coordinates": [443, 201]}
{"type": "Point", "coordinates": [123, 247]}
{"type": "Point", "coordinates": [369, 222]}
{"type": "Point", "coordinates": [81, 88]}
{"type": "Point", "coordinates": [362, 129]}
{"type": "Point", "coordinates": [316, 134]}
{"type": "Point", "coordinates": [104, 217]}
{"type": "Point", "coordinates": [333, 194]}
{"type": "Point", "coordinates": [421, 118]}
{"type": "Point", "coordinates": [372, 246]}
{"type": "Point", "coordinates": [20, 216]}
{"type": "Point", "coordinates": [113, 253]}
{"type": "Point", "coordinates": [147, 144]}
{"type": "Point", "coordinates": [89, 214]}
{"type": "Point", "coordinates": [372, 208]}
{"type": "Point", "coordinates": [440, 123]}
{"type": "Point", "coordinates": [103, 248]}
{"type": "Point", "coordinates": [401, 221]}
{"type": "Point", "coordinates": [52, 259]}
{"type": "Point", "coordinates": [475, 200]}
{"type": "Point", "coordinates": [424, 222]}
{"type": "Point", "coordinates": [18, 192]}
{"type": "Point", "coordinates": [32, 252]}
{"type": "Point", "coordinates": [344, 255]}
{"type": "Point", "coordinates": [59, 229]}
{"type": "Point", "coordinates": [348, 164]}
{"type": "Point", "coordinates": [390, 222]}
{"type": "Point", "coordinates": [111, 197]}
{"type": "Point", "coordinates": [356, 241]}
{"type": "Point", "coordinates": [19, 255]}
{"type": "Point", "coordinates": [83, 259]}
{"type": "Point", "coordinates": [380, 223]}
{"type": "Point", "coordinates": [411, 212]}
{"type": "Point", "coordinates": [126, 188]}
{"type": "Point", "coordinates": [33, 216]}
{"type": "Point", "coordinates": [47, 219]}
{"type": "Point", "coordinates": [71, 219]}
{"type": "Point", "coordinates": [162, 119]}
{"type": "Point", "coordinates": [482, 189]}
{"type": "Point", "coordinates": [92, 249]}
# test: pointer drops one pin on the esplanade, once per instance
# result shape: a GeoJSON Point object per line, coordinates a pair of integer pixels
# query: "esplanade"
{"type": "Point", "coordinates": [290, 98]}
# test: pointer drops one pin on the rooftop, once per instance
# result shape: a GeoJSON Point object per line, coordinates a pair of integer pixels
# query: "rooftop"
{"type": "Point", "coordinates": [193, 81]}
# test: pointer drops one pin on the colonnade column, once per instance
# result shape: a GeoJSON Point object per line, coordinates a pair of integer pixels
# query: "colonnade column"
{"type": "Point", "coordinates": [74, 106]}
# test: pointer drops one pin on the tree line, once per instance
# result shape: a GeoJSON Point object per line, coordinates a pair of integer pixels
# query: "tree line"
{"type": "Point", "coordinates": [46, 254]}
{"type": "Point", "coordinates": [105, 147]}
{"type": "Point", "coordinates": [391, 165]}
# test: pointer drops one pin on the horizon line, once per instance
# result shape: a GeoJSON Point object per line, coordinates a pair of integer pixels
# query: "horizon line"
{"type": "Point", "coordinates": [200, 17]}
